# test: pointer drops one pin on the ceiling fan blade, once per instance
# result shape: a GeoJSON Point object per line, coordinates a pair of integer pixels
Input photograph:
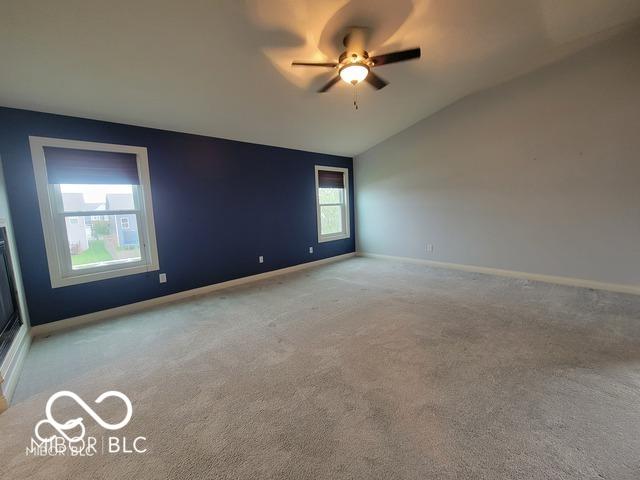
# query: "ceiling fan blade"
{"type": "Point", "coordinates": [330, 84]}
{"type": "Point", "coordinates": [394, 57]}
{"type": "Point", "coordinates": [314, 64]}
{"type": "Point", "coordinates": [375, 81]}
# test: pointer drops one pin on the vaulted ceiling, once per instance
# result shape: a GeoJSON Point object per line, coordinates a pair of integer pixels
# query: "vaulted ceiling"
{"type": "Point", "coordinates": [222, 68]}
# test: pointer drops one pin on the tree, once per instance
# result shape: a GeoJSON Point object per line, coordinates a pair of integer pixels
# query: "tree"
{"type": "Point", "coordinates": [101, 228]}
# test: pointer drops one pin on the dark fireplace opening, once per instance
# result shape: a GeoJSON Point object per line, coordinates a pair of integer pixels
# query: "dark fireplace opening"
{"type": "Point", "coordinates": [10, 321]}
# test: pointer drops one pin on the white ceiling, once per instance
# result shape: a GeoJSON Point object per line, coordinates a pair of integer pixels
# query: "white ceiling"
{"type": "Point", "coordinates": [222, 68]}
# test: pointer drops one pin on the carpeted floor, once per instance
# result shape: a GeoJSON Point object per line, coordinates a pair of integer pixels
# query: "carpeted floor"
{"type": "Point", "coordinates": [360, 369]}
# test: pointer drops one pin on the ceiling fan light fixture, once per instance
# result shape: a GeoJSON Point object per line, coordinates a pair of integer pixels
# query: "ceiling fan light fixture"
{"type": "Point", "coordinates": [354, 73]}
{"type": "Point", "coordinates": [355, 65]}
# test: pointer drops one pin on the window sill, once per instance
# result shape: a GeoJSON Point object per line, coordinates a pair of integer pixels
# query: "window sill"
{"type": "Point", "coordinates": [331, 238]}
{"type": "Point", "coordinates": [96, 276]}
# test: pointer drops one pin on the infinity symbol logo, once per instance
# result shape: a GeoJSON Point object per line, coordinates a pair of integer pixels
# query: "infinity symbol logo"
{"type": "Point", "coordinates": [62, 428]}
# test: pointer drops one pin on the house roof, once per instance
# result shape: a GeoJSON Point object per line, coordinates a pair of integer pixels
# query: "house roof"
{"type": "Point", "coordinates": [74, 201]}
{"type": "Point", "coordinates": [119, 201]}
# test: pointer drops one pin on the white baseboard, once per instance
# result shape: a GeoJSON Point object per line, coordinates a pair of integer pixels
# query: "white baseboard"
{"type": "Point", "coordinates": [48, 328]}
{"type": "Point", "coordinates": [12, 366]}
{"type": "Point", "coordinates": [573, 282]}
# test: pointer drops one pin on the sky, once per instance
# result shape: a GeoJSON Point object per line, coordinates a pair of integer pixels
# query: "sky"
{"type": "Point", "coordinates": [95, 193]}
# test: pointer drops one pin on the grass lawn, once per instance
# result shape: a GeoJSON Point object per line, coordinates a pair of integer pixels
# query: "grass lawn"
{"type": "Point", "coordinates": [95, 253]}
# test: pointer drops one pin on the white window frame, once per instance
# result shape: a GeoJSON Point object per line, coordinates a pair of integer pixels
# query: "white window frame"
{"type": "Point", "coordinates": [122, 222]}
{"type": "Point", "coordinates": [55, 237]}
{"type": "Point", "coordinates": [346, 217]}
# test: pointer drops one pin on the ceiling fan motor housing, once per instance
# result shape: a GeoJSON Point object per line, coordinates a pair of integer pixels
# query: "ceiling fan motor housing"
{"type": "Point", "coordinates": [353, 57]}
{"type": "Point", "coordinates": [354, 43]}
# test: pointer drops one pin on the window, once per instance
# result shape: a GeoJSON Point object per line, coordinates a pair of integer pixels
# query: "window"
{"type": "Point", "coordinates": [74, 180]}
{"type": "Point", "coordinates": [332, 200]}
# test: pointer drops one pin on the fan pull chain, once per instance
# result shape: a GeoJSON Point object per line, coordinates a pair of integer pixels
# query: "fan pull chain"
{"type": "Point", "coordinates": [355, 96]}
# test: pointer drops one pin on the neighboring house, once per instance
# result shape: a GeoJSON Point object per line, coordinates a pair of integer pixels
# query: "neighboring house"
{"type": "Point", "coordinates": [76, 227]}
{"type": "Point", "coordinates": [125, 226]}
{"type": "Point", "coordinates": [77, 235]}
{"type": "Point", "coordinates": [127, 231]}
{"type": "Point", "coordinates": [123, 231]}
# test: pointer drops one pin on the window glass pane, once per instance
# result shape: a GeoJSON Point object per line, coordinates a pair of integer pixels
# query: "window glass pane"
{"type": "Point", "coordinates": [101, 242]}
{"type": "Point", "coordinates": [331, 195]}
{"type": "Point", "coordinates": [97, 198]}
{"type": "Point", "coordinates": [330, 219]}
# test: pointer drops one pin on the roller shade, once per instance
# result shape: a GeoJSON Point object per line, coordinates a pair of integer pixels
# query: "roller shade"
{"type": "Point", "coordinates": [330, 179]}
{"type": "Point", "coordinates": [69, 165]}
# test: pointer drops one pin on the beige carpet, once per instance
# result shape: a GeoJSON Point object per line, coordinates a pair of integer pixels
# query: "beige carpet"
{"type": "Point", "coordinates": [356, 370]}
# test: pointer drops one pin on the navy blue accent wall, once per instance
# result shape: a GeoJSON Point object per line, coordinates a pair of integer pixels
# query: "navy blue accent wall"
{"type": "Point", "coordinates": [218, 205]}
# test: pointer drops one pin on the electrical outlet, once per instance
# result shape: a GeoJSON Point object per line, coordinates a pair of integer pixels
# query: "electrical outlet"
{"type": "Point", "coordinates": [261, 259]}
{"type": "Point", "coordinates": [310, 249]}
{"type": "Point", "coordinates": [429, 247]}
{"type": "Point", "coordinates": [163, 278]}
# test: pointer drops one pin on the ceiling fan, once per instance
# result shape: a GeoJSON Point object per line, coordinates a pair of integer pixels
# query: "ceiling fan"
{"type": "Point", "coordinates": [355, 65]}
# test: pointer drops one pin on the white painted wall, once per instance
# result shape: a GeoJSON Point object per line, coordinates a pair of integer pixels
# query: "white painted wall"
{"type": "Point", "coordinates": [539, 175]}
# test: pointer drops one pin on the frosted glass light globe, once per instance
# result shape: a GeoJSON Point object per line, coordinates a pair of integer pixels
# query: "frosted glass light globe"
{"type": "Point", "coordinates": [354, 73]}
